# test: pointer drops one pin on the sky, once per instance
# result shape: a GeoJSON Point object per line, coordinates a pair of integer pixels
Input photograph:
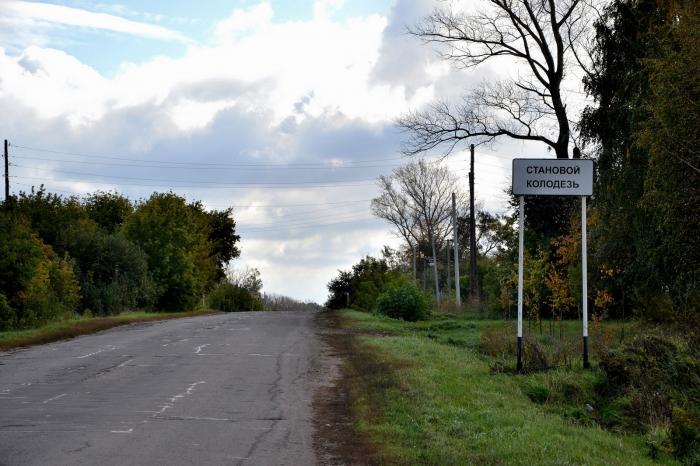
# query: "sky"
{"type": "Point", "coordinates": [283, 110]}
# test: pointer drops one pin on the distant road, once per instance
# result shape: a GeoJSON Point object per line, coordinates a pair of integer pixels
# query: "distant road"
{"type": "Point", "coordinates": [223, 389]}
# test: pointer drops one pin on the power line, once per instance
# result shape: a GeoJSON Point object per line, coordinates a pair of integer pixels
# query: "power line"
{"type": "Point", "coordinates": [249, 167]}
{"type": "Point", "coordinates": [303, 227]}
{"type": "Point", "coordinates": [241, 206]}
{"type": "Point", "coordinates": [303, 220]}
{"type": "Point", "coordinates": [79, 154]}
{"type": "Point", "coordinates": [166, 182]}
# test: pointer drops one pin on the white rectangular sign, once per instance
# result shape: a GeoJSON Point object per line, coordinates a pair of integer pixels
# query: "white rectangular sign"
{"type": "Point", "coordinates": [552, 177]}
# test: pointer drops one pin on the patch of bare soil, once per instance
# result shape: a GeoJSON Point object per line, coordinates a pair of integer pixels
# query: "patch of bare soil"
{"type": "Point", "coordinates": [336, 441]}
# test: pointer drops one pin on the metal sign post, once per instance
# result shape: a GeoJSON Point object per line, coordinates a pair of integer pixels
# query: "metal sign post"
{"type": "Point", "coordinates": [521, 248]}
{"type": "Point", "coordinates": [584, 274]}
{"type": "Point", "coordinates": [552, 177]}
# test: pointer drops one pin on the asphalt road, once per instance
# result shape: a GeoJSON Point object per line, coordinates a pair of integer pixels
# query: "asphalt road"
{"type": "Point", "coordinates": [223, 389]}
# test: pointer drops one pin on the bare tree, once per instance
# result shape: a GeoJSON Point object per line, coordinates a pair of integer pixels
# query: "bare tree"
{"type": "Point", "coordinates": [395, 207]}
{"type": "Point", "coordinates": [429, 187]}
{"type": "Point", "coordinates": [248, 278]}
{"type": "Point", "coordinates": [538, 35]}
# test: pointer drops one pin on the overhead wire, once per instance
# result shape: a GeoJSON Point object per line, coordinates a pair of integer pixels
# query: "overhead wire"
{"type": "Point", "coordinates": [248, 167]}
{"type": "Point", "coordinates": [285, 219]}
{"type": "Point", "coordinates": [285, 225]}
{"type": "Point", "coordinates": [306, 226]}
{"type": "Point", "coordinates": [79, 154]}
{"type": "Point", "coordinates": [241, 206]}
{"type": "Point", "coordinates": [213, 185]}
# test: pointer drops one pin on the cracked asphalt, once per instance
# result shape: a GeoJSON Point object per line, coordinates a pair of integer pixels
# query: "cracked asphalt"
{"type": "Point", "coordinates": [224, 389]}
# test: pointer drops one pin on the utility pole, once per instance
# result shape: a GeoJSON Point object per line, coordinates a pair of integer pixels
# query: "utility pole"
{"type": "Point", "coordinates": [7, 176]}
{"type": "Point", "coordinates": [455, 243]}
{"type": "Point", "coordinates": [447, 270]}
{"type": "Point", "coordinates": [473, 284]}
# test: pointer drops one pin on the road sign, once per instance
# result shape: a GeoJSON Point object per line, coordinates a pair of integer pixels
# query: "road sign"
{"type": "Point", "coordinates": [552, 177]}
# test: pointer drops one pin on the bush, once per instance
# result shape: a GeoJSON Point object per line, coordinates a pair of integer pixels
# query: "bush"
{"type": "Point", "coordinates": [231, 298]}
{"type": "Point", "coordinates": [404, 301]}
{"type": "Point", "coordinates": [8, 317]}
{"type": "Point", "coordinates": [658, 377]}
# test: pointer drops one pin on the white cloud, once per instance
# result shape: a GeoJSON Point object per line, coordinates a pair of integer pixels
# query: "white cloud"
{"type": "Point", "coordinates": [244, 21]}
{"type": "Point", "coordinates": [59, 14]}
{"type": "Point", "coordinates": [189, 115]}
{"type": "Point", "coordinates": [323, 9]}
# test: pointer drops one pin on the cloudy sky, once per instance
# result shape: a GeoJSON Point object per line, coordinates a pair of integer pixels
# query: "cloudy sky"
{"type": "Point", "coordinates": [282, 109]}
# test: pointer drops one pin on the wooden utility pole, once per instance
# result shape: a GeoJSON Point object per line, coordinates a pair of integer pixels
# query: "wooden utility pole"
{"type": "Point", "coordinates": [473, 284]}
{"type": "Point", "coordinates": [455, 244]}
{"type": "Point", "coordinates": [7, 176]}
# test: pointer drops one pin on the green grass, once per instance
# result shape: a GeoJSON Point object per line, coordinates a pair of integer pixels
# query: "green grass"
{"type": "Point", "coordinates": [424, 399]}
{"type": "Point", "coordinates": [78, 325]}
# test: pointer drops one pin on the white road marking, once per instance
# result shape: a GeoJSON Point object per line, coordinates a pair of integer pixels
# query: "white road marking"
{"type": "Point", "coordinates": [262, 355]}
{"type": "Point", "coordinates": [54, 398]}
{"type": "Point", "coordinates": [122, 431]}
{"type": "Point", "coordinates": [173, 399]}
{"type": "Point", "coordinates": [106, 348]}
{"type": "Point", "coordinates": [124, 363]}
{"type": "Point", "coordinates": [200, 347]}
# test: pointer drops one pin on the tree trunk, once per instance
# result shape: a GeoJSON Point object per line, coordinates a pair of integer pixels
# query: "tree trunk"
{"type": "Point", "coordinates": [413, 252]}
{"type": "Point", "coordinates": [562, 145]}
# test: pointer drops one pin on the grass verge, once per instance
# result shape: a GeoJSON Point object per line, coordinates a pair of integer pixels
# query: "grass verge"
{"type": "Point", "coordinates": [424, 394]}
{"type": "Point", "coordinates": [72, 328]}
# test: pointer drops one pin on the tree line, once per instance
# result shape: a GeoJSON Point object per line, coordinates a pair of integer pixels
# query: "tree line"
{"type": "Point", "coordinates": [105, 254]}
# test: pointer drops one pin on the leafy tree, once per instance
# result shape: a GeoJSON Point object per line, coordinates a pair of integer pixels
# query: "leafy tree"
{"type": "Point", "coordinates": [363, 284]}
{"type": "Point", "coordinates": [339, 289]}
{"type": "Point", "coordinates": [113, 271]}
{"type": "Point", "coordinates": [223, 239]}
{"type": "Point", "coordinates": [52, 293]}
{"type": "Point", "coordinates": [108, 209]}
{"type": "Point", "coordinates": [21, 251]}
{"type": "Point", "coordinates": [36, 284]}
{"type": "Point", "coordinates": [645, 124]}
{"type": "Point", "coordinates": [50, 215]}
{"type": "Point", "coordinates": [672, 137]}
{"type": "Point", "coordinates": [170, 233]}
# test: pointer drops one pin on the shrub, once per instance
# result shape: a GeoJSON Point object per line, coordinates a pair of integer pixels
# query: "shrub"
{"type": "Point", "coordinates": [231, 298]}
{"type": "Point", "coordinates": [658, 377]}
{"type": "Point", "coordinates": [403, 301]}
{"type": "Point", "coordinates": [8, 317]}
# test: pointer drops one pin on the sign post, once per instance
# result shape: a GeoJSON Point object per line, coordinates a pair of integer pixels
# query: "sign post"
{"type": "Point", "coordinates": [521, 248]}
{"type": "Point", "coordinates": [584, 274]}
{"type": "Point", "coordinates": [552, 177]}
